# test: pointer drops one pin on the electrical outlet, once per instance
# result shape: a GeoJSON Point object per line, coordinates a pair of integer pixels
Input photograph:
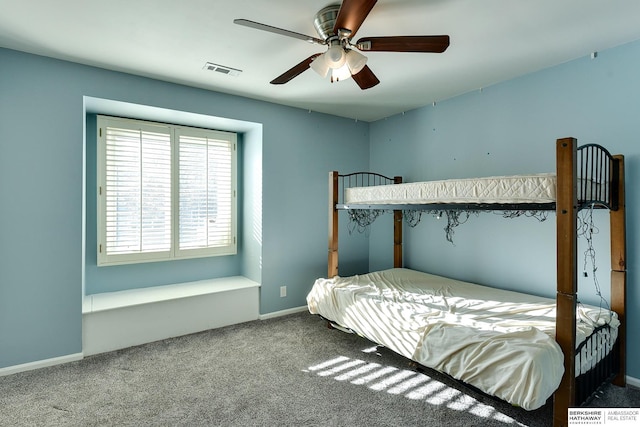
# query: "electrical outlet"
{"type": "Point", "coordinates": [283, 291]}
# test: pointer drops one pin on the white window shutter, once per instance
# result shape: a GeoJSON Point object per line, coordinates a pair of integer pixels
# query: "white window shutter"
{"type": "Point", "coordinates": [137, 192]}
{"type": "Point", "coordinates": [206, 192]}
{"type": "Point", "coordinates": [165, 192]}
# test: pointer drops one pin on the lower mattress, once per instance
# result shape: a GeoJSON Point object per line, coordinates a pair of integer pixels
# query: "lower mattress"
{"type": "Point", "coordinates": [501, 342]}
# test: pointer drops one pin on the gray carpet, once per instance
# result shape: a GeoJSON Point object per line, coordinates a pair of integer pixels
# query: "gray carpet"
{"type": "Point", "coordinates": [288, 371]}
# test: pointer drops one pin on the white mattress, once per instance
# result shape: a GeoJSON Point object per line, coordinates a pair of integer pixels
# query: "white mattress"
{"type": "Point", "coordinates": [539, 188]}
{"type": "Point", "coordinates": [499, 341]}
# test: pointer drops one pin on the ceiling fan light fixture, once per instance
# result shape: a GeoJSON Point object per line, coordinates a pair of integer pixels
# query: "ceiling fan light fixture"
{"type": "Point", "coordinates": [340, 74]}
{"type": "Point", "coordinates": [335, 56]}
{"type": "Point", "coordinates": [320, 66]}
{"type": "Point", "coordinates": [356, 61]}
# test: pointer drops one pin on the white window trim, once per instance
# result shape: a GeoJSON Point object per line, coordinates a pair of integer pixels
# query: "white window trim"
{"type": "Point", "coordinates": [104, 259]}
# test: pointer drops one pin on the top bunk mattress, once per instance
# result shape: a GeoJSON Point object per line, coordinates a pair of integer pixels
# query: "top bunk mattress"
{"type": "Point", "coordinates": [535, 188]}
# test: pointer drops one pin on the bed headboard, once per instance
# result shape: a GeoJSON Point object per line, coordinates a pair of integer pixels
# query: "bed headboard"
{"type": "Point", "coordinates": [362, 179]}
{"type": "Point", "coordinates": [598, 177]}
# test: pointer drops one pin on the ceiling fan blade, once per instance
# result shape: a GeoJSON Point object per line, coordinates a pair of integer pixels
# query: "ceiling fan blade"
{"type": "Point", "coordinates": [295, 71]}
{"type": "Point", "coordinates": [352, 14]}
{"type": "Point", "coordinates": [365, 78]}
{"type": "Point", "coordinates": [276, 30]}
{"type": "Point", "coordinates": [433, 44]}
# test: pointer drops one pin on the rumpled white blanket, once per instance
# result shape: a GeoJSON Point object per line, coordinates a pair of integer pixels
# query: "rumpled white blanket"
{"type": "Point", "coordinates": [499, 341]}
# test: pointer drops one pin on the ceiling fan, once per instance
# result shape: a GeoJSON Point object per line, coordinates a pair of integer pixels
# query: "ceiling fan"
{"type": "Point", "coordinates": [337, 24]}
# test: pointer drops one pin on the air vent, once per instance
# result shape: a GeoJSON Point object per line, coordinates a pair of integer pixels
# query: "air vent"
{"type": "Point", "coordinates": [222, 69]}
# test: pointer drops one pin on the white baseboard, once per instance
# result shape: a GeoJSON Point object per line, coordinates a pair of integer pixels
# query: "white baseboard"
{"type": "Point", "coordinates": [634, 382]}
{"type": "Point", "coordinates": [117, 320]}
{"type": "Point", "coordinates": [283, 312]}
{"type": "Point", "coordinates": [10, 370]}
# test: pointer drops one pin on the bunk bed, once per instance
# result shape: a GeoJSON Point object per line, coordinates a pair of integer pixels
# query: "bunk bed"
{"type": "Point", "coordinates": [577, 361]}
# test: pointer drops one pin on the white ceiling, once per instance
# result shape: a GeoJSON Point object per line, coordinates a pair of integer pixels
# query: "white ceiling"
{"type": "Point", "coordinates": [491, 41]}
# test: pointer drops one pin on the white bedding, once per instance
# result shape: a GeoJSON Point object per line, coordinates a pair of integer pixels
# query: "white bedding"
{"type": "Point", "coordinates": [499, 341]}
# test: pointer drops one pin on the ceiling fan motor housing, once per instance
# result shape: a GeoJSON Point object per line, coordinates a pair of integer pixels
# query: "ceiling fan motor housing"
{"type": "Point", "coordinates": [325, 20]}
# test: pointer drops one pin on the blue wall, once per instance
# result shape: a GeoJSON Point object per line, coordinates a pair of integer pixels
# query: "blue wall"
{"type": "Point", "coordinates": [42, 122]}
{"type": "Point", "coordinates": [511, 128]}
{"type": "Point", "coordinates": [507, 128]}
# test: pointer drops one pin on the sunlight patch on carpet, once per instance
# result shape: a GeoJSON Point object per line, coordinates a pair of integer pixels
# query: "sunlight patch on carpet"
{"type": "Point", "coordinates": [405, 382]}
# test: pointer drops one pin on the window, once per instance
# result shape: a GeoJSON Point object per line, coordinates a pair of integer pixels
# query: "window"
{"type": "Point", "coordinates": [164, 192]}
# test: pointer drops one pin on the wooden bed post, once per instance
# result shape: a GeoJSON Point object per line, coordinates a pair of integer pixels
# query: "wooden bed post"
{"type": "Point", "coordinates": [617, 220]}
{"type": "Point", "coordinates": [566, 242]}
{"type": "Point", "coordinates": [333, 225]}
{"type": "Point", "coordinates": [397, 232]}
